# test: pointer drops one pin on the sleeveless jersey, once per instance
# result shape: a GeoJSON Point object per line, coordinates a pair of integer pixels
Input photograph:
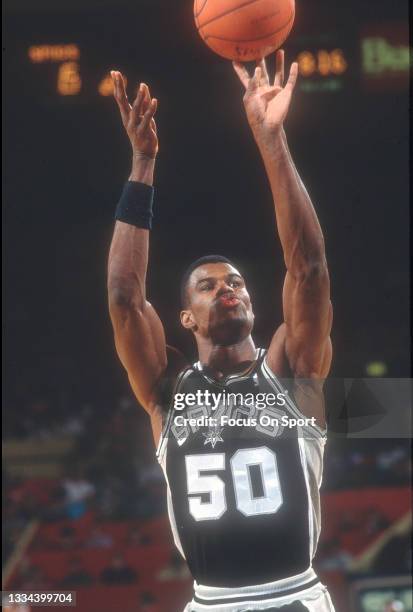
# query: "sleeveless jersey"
{"type": "Point", "coordinates": [242, 479]}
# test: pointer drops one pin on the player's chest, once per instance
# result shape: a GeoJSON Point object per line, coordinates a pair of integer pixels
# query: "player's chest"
{"type": "Point", "coordinates": [206, 414]}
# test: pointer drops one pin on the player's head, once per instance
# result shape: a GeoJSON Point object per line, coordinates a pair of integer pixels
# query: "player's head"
{"type": "Point", "coordinates": [215, 301]}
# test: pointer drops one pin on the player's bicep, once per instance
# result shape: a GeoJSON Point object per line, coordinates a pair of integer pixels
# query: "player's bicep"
{"type": "Point", "coordinates": [308, 318]}
{"type": "Point", "coordinates": [140, 344]}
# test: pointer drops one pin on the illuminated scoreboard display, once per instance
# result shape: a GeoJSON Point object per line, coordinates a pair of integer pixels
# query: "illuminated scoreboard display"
{"type": "Point", "coordinates": [68, 70]}
{"type": "Point", "coordinates": [376, 58]}
{"type": "Point", "coordinates": [322, 69]}
{"type": "Point", "coordinates": [385, 56]}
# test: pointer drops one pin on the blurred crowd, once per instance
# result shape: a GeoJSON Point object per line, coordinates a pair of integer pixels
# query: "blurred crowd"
{"type": "Point", "coordinates": [354, 463]}
{"type": "Point", "coordinates": [110, 471]}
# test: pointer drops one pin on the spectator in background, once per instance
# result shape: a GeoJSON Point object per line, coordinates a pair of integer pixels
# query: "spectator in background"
{"type": "Point", "coordinates": [78, 492]}
{"type": "Point", "coordinates": [118, 572]}
{"type": "Point", "coordinates": [77, 575]}
{"type": "Point", "coordinates": [99, 539]}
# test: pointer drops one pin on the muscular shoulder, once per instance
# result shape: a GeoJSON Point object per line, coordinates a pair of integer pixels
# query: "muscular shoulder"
{"type": "Point", "coordinates": [282, 363]}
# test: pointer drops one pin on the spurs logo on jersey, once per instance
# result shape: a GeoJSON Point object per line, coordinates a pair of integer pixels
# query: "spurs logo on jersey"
{"type": "Point", "coordinates": [213, 435]}
{"type": "Point", "coordinates": [243, 501]}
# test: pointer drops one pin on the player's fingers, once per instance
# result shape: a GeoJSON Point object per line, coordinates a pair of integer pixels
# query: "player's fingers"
{"type": "Point", "coordinates": [152, 121]}
{"type": "Point", "coordinates": [136, 110]}
{"type": "Point", "coordinates": [119, 93]}
{"type": "Point", "coordinates": [146, 91]}
{"type": "Point", "coordinates": [242, 73]}
{"type": "Point", "coordinates": [256, 79]}
{"type": "Point", "coordinates": [138, 101]}
{"type": "Point", "coordinates": [279, 68]}
{"type": "Point", "coordinates": [115, 78]}
{"type": "Point", "coordinates": [121, 90]}
{"type": "Point", "coordinates": [146, 98]}
{"type": "Point", "coordinates": [146, 119]}
{"type": "Point", "coordinates": [292, 79]}
{"type": "Point", "coordinates": [264, 72]}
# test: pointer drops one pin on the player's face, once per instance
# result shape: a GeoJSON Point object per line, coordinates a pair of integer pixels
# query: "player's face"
{"type": "Point", "coordinates": [219, 306]}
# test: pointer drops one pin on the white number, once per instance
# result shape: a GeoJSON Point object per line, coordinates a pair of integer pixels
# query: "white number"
{"type": "Point", "coordinates": [240, 464]}
{"type": "Point", "coordinates": [266, 461]}
{"type": "Point", "coordinates": [213, 485]}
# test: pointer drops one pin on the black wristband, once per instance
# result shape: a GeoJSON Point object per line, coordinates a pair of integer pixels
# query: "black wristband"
{"type": "Point", "coordinates": [135, 205]}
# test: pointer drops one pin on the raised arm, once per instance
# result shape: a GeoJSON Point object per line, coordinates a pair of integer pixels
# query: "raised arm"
{"type": "Point", "coordinates": [306, 296]}
{"type": "Point", "coordinates": [139, 334]}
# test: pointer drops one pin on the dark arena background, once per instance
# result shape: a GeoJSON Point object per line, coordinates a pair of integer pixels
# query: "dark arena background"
{"type": "Point", "coordinates": [84, 499]}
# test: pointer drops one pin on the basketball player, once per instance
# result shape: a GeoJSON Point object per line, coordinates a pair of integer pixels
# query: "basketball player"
{"type": "Point", "coordinates": [243, 499]}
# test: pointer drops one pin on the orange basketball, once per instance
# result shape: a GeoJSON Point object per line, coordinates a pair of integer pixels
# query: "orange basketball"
{"type": "Point", "coordinates": [244, 30]}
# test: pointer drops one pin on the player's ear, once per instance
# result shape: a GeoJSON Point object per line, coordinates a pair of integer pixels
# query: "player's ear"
{"type": "Point", "coordinates": [187, 320]}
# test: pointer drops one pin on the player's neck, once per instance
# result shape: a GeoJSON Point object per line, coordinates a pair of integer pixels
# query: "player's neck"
{"type": "Point", "coordinates": [224, 360]}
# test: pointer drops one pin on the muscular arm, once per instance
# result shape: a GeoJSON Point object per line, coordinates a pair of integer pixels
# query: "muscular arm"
{"type": "Point", "coordinates": [304, 337]}
{"type": "Point", "coordinates": [306, 295]}
{"type": "Point", "coordinates": [139, 334]}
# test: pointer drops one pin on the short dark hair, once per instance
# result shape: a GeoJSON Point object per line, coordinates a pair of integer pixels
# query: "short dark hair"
{"type": "Point", "coordinates": [207, 259]}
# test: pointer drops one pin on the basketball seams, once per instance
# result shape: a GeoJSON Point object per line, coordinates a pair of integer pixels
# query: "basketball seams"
{"type": "Point", "coordinates": [227, 12]}
{"type": "Point", "coordinates": [198, 12]}
{"type": "Point", "coordinates": [287, 23]}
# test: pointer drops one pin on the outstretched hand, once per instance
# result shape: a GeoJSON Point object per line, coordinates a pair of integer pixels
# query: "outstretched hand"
{"type": "Point", "coordinates": [138, 117]}
{"type": "Point", "coordinates": [267, 104]}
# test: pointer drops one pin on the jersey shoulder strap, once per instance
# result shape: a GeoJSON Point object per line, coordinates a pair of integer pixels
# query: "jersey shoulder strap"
{"type": "Point", "coordinates": [260, 357]}
{"type": "Point", "coordinates": [168, 387]}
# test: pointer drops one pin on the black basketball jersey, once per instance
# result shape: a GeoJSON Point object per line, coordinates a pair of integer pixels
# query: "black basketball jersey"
{"type": "Point", "coordinates": [243, 480]}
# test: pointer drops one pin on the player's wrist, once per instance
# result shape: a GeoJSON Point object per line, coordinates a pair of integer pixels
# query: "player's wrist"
{"type": "Point", "coordinates": [136, 204]}
{"type": "Point", "coordinates": [271, 142]}
{"type": "Point", "coordinates": [143, 167]}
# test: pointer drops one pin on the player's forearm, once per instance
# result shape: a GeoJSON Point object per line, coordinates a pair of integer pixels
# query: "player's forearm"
{"type": "Point", "coordinates": [128, 256]}
{"type": "Point", "coordinates": [128, 262]}
{"type": "Point", "coordinates": [297, 224]}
